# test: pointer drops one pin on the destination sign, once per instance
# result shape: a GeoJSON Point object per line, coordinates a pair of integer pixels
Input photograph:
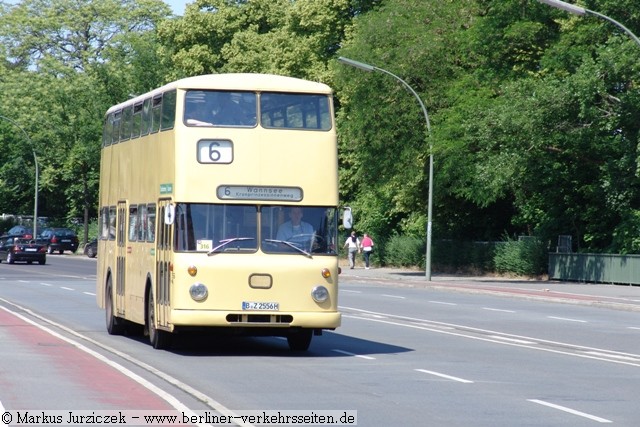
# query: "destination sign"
{"type": "Point", "coordinates": [248, 192]}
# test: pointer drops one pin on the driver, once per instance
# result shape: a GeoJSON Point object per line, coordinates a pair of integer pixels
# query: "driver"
{"type": "Point", "coordinates": [295, 226]}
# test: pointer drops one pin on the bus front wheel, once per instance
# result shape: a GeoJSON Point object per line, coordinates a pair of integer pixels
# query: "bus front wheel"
{"type": "Point", "coordinates": [300, 340]}
{"type": "Point", "coordinates": [159, 339]}
{"type": "Point", "coordinates": [115, 325]}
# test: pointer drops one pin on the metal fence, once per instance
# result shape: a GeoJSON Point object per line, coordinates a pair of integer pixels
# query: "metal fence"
{"type": "Point", "coordinates": [595, 268]}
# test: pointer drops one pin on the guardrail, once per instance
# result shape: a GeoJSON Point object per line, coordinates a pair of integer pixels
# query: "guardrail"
{"type": "Point", "coordinates": [595, 268]}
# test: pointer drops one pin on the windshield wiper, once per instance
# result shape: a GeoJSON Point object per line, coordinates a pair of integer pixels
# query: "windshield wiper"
{"type": "Point", "coordinates": [291, 245]}
{"type": "Point", "coordinates": [225, 242]}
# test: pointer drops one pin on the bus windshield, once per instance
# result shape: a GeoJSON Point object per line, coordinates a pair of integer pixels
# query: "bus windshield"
{"type": "Point", "coordinates": [217, 228]}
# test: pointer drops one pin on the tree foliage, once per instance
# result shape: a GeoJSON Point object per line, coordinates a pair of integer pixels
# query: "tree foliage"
{"type": "Point", "coordinates": [66, 62]}
{"type": "Point", "coordinates": [294, 38]}
{"type": "Point", "coordinates": [533, 111]}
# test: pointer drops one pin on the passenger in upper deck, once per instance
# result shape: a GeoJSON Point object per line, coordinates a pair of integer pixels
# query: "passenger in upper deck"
{"type": "Point", "coordinates": [197, 113]}
{"type": "Point", "coordinates": [231, 110]}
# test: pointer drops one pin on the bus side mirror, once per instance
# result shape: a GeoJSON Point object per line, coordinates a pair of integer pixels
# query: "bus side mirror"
{"type": "Point", "coordinates": [347, 218]}
{"type": "Point", "coordinates": [169, 214]}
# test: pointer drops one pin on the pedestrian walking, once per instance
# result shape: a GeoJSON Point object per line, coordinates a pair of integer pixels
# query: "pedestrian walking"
{"type": "Point", "coordinates": [367, 249]}
{"type": "Point", "coordinates": [353, 247]}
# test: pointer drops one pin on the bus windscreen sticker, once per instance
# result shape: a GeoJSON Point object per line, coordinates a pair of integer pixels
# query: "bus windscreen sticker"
{"type": "Point", "coordinates": [247, 192]}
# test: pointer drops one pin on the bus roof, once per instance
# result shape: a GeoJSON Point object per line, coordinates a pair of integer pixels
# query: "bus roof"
{"type": "Point", "coordinates": [235, 81]}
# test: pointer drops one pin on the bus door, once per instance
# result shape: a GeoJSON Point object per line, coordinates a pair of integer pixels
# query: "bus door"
{"type": "Point", "coordinates": [163, 261]}
{"type": "Point", "coordinates": [121, 252]}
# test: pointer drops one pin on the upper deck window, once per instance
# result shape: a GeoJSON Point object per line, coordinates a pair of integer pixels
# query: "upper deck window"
{"type": "Point", "coordinates": [295, 111]}
{"type": "Point", "coordinates": [220, 108]}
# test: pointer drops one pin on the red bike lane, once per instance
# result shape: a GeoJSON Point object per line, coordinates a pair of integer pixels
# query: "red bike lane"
{"type": "Point", "coordinates": [39, 370]}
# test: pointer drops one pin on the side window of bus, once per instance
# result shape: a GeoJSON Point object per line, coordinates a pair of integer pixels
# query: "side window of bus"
{"type": "Point", "coordinates": [142, 223]}
{"type": "Point", "coordinates": [115, 133]}
{"type": "Point", "coordinates": [107, 130]}
{"type": "Point", "coordinates": [125, 126]}
{"type": "Point", "coordinates": [137, 121]}
{"type": "Point", "coordinates": [146, 117]}
{"type": "Point", "coordinates": [104, 223]}
{"type": "Point", "coordinates": [133, 223]}
{"type": "Point", "coordinates": [156, 113]}
{"type": "Point", "coordinates": [168, 110]}
{"type": "Point", "coordinates": [112, 222]}
{"type": "Point", "coordinates": [151, 223]}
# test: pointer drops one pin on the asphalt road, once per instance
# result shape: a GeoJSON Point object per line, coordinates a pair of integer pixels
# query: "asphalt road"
{"type": "Point", "coordinates": [450, 352]}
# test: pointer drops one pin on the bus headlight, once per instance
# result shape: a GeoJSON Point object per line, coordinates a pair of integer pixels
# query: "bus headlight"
{"type": "Point", "coordinates": [320, 294]}
{"type": "Point", "coordinates": [198, 292]}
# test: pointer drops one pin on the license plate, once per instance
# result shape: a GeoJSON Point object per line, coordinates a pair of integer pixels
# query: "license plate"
{"type": "Point", "coordinates": [252, 305]}
{"type": "Point", "coordinates": [31, 250]}
{"type": "Point", "coordinates": [66, 240]}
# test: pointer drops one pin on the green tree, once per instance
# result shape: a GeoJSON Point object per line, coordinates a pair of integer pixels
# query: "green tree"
{"type": "Point", "coordinates": [294, 38]}
{"type": "Point", "coordinates": [383, 140]}
{"type": "Point", "coordinates": [71, 60]}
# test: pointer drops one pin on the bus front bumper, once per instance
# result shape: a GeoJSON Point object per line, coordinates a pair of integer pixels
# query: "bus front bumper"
{"type": "Point", "coordinates": [255, 319]}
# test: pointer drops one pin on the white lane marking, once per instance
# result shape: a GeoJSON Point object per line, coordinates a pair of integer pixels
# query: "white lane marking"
{"type": "Point", "coordinates": [353, 354]}
{"type": "Point", "coordinates": [393, 296]}
{"type": "Point", "coordinates": [90, 293]}
{"type": "Point", "coordinates": [513, 340]}
{"type": "Point", "coordinates": [566, 319]}
{"type": "Point", "coordinates": [46, 284]}
{"type": "Point", "coordinates": [350, 291]}
{"type": "Point", "coordinates": [443, 303]}
{"type": "Point", "coordinates": [439, 327]}
{"type": "Point", "coordinates": [633, 327]}
{"type": "Point", "coordinates": [613, 356]}
{"type": "Point", "coordinates": [498, 309]}
{"type": "Point", "coordinates": [214, 404]}
{"type": "Point", "coordinates": [67, 289]}
{"type": "Point", "coordinates": [449, 377]}
{"type": "Point", "coordinates": [570, 411]}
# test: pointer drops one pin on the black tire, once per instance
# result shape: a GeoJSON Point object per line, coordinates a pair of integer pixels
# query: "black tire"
{"type": "Point", "coordinates": [42, 262]}
{"type": "Point", "coordinates": [29, 262]}
{"type": "Point", "coordinates": [90, 252]}
{"type": "Point", "coordinates": [115, 325]}
{"type": "Point", "coordinates": [300, 340]}
{"type": "Point", "coordinates": [159, 339]}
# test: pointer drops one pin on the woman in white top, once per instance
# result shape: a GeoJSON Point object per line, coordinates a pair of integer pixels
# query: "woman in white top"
{"type": "Point", "coordinates": [353, 243]}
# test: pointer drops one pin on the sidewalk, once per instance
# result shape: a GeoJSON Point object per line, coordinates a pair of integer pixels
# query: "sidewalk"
{"type": "Point", "coordinates": [620, 297]}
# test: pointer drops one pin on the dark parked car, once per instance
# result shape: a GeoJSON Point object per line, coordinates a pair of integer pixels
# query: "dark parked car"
{"type": "Point", "coordinates": [14, 249]}
{"type": "Point", "coordinates": [59, 239]}
{"type": "Point", "coordinates": [20, 231]}
{"type": "Point", "coordinates": [91, 248]}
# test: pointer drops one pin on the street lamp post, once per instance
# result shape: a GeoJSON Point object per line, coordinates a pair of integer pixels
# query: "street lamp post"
{"type": "Point", "coordinates": [577, 10]}
{"type": "Point", "coordinates": [370, 68]}
{"type": "Point", "coordinates": [35, 159]}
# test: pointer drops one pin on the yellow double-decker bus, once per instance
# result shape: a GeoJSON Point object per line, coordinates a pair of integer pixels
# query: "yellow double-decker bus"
{"type": "Point", "coordinates": [219, 209]}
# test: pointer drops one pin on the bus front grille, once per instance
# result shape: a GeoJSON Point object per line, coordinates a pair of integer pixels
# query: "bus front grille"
{"type": "Point", "coordinates": [260, 318]}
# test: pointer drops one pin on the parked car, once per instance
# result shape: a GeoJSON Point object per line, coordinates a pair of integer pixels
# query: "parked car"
{"type": "Point", "coordinates": [59, 239]}
{"type": "Point", "coordinates": [91, 248]}
{"type": "Point", "coordinates": [14, 249]}
{"type": "Point", "coordinates": [20, 231]}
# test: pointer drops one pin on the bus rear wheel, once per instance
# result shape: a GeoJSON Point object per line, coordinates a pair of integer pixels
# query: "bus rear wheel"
{"type": "Point", "coordinates": [115, 325]}
{"type": "Point", "coordinates": [159, 339]}
{"type": "Point", "coordinates": [300, 340]}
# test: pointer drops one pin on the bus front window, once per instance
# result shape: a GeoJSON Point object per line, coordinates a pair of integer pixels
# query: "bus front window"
{"type": "Point", "coordinates": [220, 108]}
{"type": "Point", "coordinates": [203, 227]}
{"type": "Point", "coordinates": [286, 229]}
